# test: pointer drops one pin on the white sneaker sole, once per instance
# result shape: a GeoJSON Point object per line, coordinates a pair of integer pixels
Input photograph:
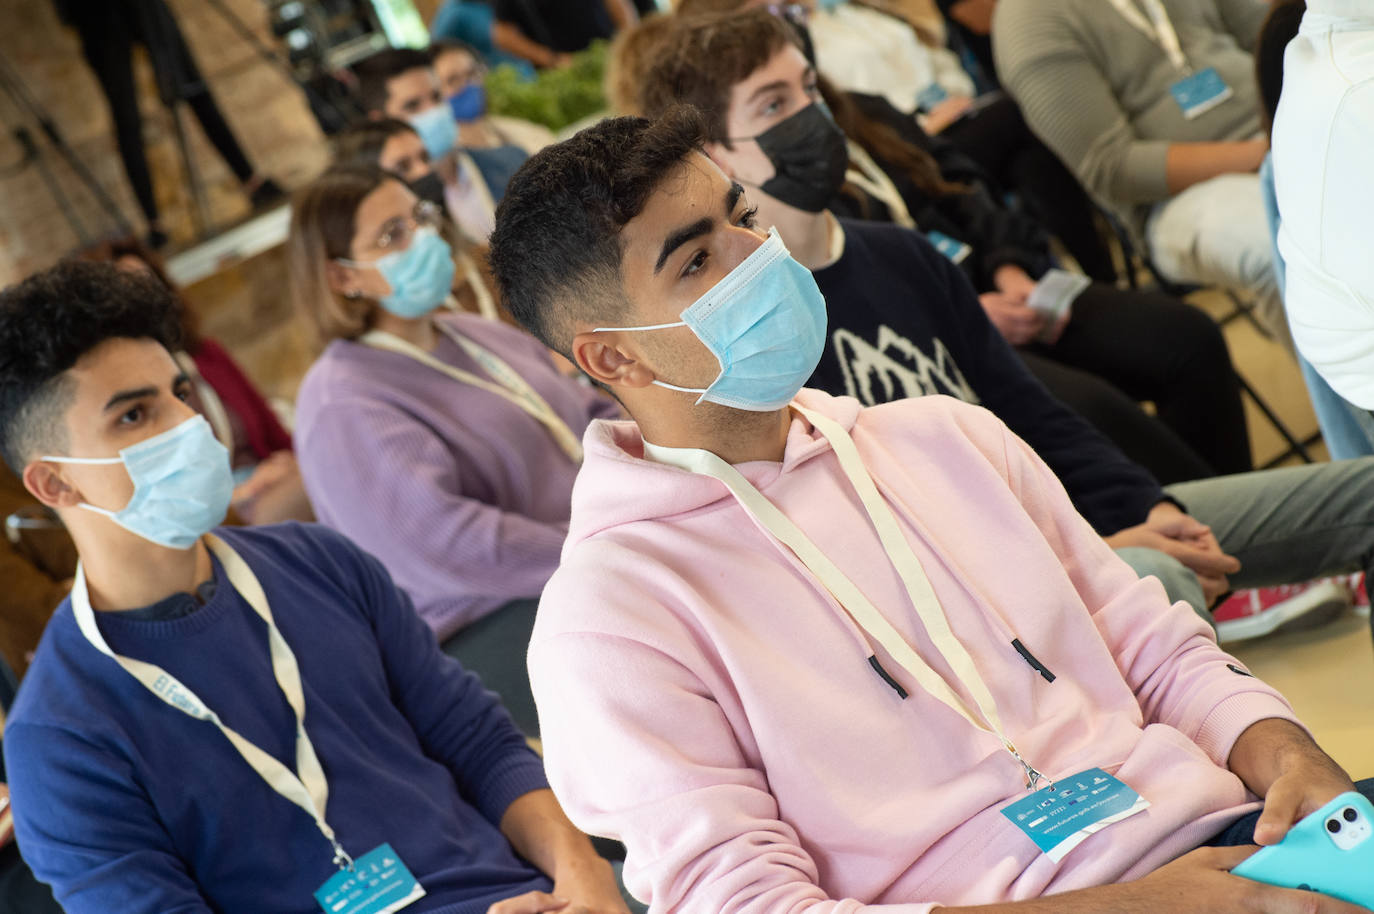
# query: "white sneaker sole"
{"type": "Point", "coordinates": [1315, 606]}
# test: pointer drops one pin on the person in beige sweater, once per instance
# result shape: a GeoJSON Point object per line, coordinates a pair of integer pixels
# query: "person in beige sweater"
{"type": "Point", "coordinates": [1153, 104]}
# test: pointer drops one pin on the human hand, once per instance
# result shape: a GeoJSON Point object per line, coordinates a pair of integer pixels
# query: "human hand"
{"type": "Point", "coordinates": [1201, 882]}
{"type": "Point", "coordinates": [275, 492]}
{"type": "Point", "coordinates": [946, 113]}
{"type": "Point", "coordinates": [266, 474]}
{"type": "Point", "coordinates": [1168, 530]}
{"type": "Point", "coordinates": [1014, 282]}
{"type": "Point", "coordinates": [1278, 760]}
{"type": "Point", "coordinates": [590, 887]}
{"type": "Point", "coordinates": [1017, 323]}
{"type": "Point", "coordinates": [529, 903]}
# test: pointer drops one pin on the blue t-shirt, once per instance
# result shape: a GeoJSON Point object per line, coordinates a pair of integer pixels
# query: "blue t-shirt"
{"type": "Point", "coordinates": [123, 803]}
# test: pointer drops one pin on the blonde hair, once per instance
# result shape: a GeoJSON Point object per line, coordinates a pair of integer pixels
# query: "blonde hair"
{"type": "Point", "coordinates": [323, 222]}
{"type": "Point", "coordinates": [632, 54]}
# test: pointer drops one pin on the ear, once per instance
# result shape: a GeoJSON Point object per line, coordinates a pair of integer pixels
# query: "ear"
{"type": "Point", "coordinates": [46, 482]}
{"type": "Point", "coordinates": [342, 280]}
{"type": "Point", "coordinates": [717, 153]}
{"type": "Point", "coordinates": [598, 356]}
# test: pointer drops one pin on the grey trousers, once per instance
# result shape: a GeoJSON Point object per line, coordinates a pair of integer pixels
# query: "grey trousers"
{"type": "Point", "coordinates": [1285, 526]}
{"type": "Point", "coordinates": [494, 647]}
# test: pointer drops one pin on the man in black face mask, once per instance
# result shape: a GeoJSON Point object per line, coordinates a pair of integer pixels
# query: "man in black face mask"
{"type": "Point", "coordinates": [808, 155]}
{"type": "Point", "coordinates": [905, 322]}
{"type": "Point", "coordinates": [394, 146]}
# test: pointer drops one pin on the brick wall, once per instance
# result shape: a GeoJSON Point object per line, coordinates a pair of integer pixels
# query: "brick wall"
{"type": "Point", "coordinates": [268, 114]}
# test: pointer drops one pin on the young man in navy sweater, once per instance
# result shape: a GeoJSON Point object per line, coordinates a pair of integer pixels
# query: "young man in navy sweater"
{"type": "Point", "coordinates": [249, 719]}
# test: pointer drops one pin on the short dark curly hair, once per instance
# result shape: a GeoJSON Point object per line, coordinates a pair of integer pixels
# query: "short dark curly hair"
{"type": "Point", "coordinates": [556, 251]}
{"type": "Point", "coordinates": [375, 72]}
{"type": "Point", "coordinates": [47, 323]}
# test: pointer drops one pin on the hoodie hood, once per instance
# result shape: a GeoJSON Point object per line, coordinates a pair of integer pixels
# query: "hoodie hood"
{"type": "Point", "coordinates": [618, 485]}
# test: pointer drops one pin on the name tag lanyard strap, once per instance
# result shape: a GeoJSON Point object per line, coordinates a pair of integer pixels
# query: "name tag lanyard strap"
{"type": "Point", "coordinates": [509, 384]}
{"type": "Point", "coordinates": [1159, 28]}
{"type": "Point", "coordinates": [847, 593]}
{"type": "Point", "coordinates": [309, 790]}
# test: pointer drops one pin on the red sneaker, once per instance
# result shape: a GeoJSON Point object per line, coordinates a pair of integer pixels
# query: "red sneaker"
{"type": "Point", "coordinates": [1358, 595]}
{"type": "Point", "coordinates": [1288, 607]}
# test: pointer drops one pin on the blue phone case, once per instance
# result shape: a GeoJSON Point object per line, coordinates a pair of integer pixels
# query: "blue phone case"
{"type": "Point", "coordinates": [1330, 851]}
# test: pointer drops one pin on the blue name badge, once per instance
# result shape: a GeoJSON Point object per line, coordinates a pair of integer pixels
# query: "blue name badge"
{"type": "Point", "coordinates": [1201, 92]}
{"type": "Point", "coordinates": [378, 883]}
{"type": "Point", "coordinates": [1061, 817]}
{"type": "Point", "coordinates": [952, 248]}
{"type": "Point", "coordinates": [931, 96]}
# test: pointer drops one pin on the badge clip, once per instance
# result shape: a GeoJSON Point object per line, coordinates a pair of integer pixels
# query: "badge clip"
{"type": "Point", "coordinates": [341, 858]}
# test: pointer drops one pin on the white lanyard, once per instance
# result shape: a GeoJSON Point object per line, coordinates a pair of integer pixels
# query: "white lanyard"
{"type": "Point", "coordinates": [486, 305]}
{"type": "Point", "coordinates": [510, 385]}
{"type": "Point", "coordinates": [867, 176]}
{"type": "Point", "coordinates": [215, 412]}
{"type": "Point", "coordinates": [309, 790]}
{"type": "Point", "coordinates": [867, 616]}
{"type": "Point", "coordinates": [1158, 28]}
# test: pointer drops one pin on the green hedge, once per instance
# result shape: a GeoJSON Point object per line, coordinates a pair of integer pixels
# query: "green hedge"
{"type": "Point", "coordinates": [554, 98]}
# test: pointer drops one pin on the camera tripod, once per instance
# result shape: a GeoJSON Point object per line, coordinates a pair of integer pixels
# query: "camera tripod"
{"type": "Point", "coordinates": [27, 107]}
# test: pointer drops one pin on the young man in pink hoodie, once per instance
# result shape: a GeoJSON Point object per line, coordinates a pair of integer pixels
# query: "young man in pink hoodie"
{"type": "Point", "coordinates": [804, 656]}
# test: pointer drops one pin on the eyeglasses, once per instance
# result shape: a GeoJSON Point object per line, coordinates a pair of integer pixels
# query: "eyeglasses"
{"type": "Point", "coordinates": [397, 233]}
{"type": "Point", "coordinates": [474, 74]}
{"type": "Point", "coordinates": [794, 13]}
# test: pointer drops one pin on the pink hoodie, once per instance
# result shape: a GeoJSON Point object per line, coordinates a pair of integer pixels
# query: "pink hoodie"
{"type": "Point", "coordinates": [703, 700]}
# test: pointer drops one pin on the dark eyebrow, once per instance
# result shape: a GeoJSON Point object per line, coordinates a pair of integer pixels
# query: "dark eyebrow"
{"type": "Point", "coordinates": [732, 197]}
{"type": "Point", "coordinates": [770, 87]}
{"type": "Point", "coordinates": [702, 226]}
{"type": "Point", "coordinates": [677, 239]}
{"type": "Point", "coordinates": [138, 393]}
{"type": "Point", "coordinates": [124, 396]}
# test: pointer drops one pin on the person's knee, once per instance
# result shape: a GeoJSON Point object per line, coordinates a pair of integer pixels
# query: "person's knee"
{"type": "Point", "coordinates": [1180, 582]}
{"type": "Point", "coordinates": [1196, 339]}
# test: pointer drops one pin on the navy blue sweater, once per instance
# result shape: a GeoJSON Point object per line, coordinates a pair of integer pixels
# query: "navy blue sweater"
{"type": "Point", "coordinates": [905, 322]}
{"type": "Point", "coordinates": [125, 804]}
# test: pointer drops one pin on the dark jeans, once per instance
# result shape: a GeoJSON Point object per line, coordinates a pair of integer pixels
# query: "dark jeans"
{"type": "Point", "coordinates": [1242, 831]}
{"type": "Point", "coordinates": [1151, 346]}
{"type": "Point", "coordinates": [494, 648]}
{"type": "Point", "coordinates": [107, 42]}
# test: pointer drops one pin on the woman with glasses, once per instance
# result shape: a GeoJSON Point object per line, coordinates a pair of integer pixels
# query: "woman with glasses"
{"type": "Point", "coordinates": [443, 443]}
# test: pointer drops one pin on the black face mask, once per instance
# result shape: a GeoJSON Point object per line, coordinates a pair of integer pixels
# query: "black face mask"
{"type": "Point", "coordinates": [430, 188]}
{"type": "Point", "coordinates": [808, 153]}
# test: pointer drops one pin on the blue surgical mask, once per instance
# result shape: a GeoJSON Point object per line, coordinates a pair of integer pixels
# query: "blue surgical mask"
{"type": "Point", "coordinates": [468, 103]}
{"type": "Point", "coordinates": [420, 277]}
{"type": "Point", "coordinates": [764, 322]}
{"type": "Point", "coordinates": [182, 484]}
{"type": "Point", "coordinates": [437, 129]}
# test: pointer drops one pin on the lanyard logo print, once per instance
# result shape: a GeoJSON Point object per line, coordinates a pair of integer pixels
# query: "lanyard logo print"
{"type": "Point", "coordinates": [308, 789]}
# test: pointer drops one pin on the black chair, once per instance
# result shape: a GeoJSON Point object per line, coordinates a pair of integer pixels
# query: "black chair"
{"type": "Point", "coordinates": [1137, 259]}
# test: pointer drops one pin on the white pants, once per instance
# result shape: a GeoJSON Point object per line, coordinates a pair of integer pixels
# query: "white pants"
{"type": "Point", "coordinates": [1216, 233]}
